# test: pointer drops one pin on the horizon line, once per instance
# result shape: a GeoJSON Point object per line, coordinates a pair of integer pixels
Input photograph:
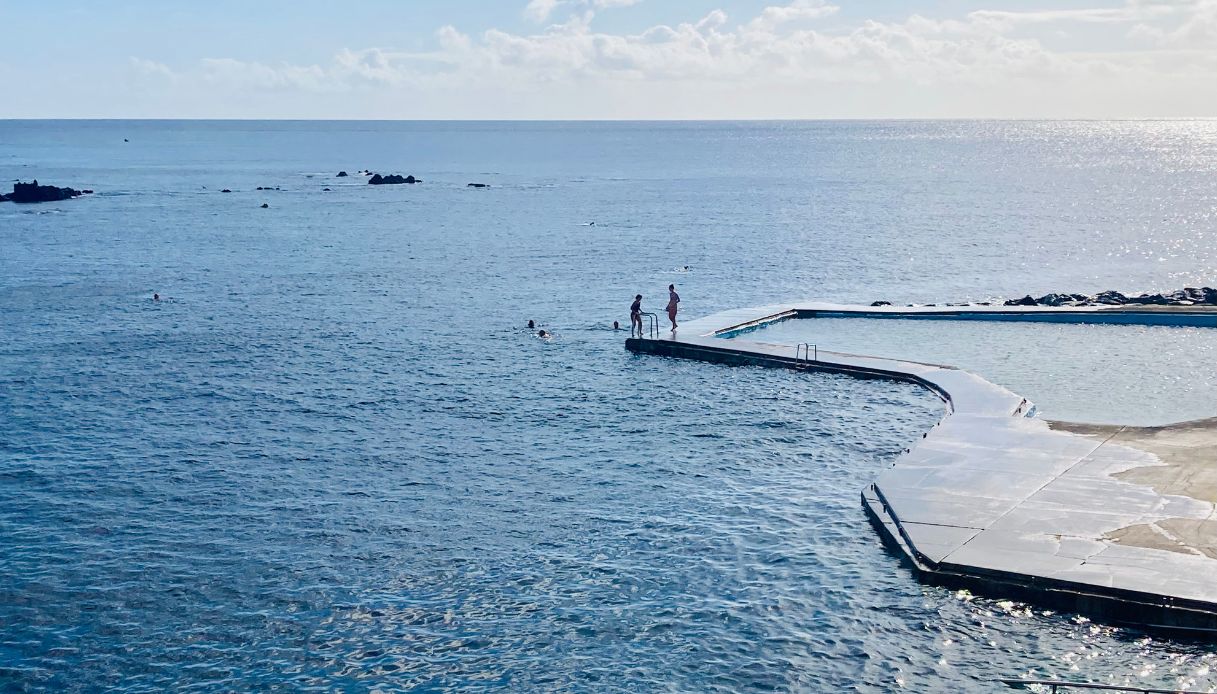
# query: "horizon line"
{"type": "Point", "coordinates": [618, 120]}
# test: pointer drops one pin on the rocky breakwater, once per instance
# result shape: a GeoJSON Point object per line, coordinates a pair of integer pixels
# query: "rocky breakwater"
{"type": "Point", "coordinates": [33, 192]}
{"type": "Point", "coordinates": [1188, 296]}
{"type": "Point", "coordinates": [391, 179]}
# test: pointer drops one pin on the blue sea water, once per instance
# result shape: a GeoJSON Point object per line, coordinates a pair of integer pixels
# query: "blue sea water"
{"type": "Point", "coordinates": [333, 457]}
{"type": "Point", "coordinates": [1101, 374]}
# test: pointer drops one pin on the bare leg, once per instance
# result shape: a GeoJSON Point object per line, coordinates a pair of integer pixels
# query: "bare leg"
{"type": "Point", "coordinates": [672, 317]}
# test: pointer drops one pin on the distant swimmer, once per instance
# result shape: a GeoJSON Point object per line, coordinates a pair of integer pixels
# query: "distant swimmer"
{"type": "Point", "coordinates": [616, 325]}
{"type": "Point", "coordinates": [682, 269]}
{"type": "Point", "coordinates": [531, 324]}
{"type": "Point", "coordinates": [156, 297]}
{"type": "Point", "coordinates": [636, 316]}
{"type": "Point", "coordinates": [673, 300]}
{"type": "Point", "coordinates": [543, 334]}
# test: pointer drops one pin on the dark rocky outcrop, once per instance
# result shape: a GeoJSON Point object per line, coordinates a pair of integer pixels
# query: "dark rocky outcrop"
{"type": "Point", "coordinates": [1188, 296]}
{"type": "Point", "coordinates": [477, 185]}
{"type": "Point", "coordinates": [226, 191]}
{"type": "Point", "coordinates": [341, 174]}
{"type": "Point", "coordinates": [1062, 300]}
{"type": "Point", "coordinates": [391, 179]}
{"type": "Point", "coordinates": [1150, 300]}
{"type": "Point", "coordinates": [265, 206]}
{"type": "Point", "coordinates": [33, 192]}
{"type": "Point", "coordinates": [267, 188]}
{"type": "Point", "coordinates": [1025, 301]}
{"type": "Point", "coordinates": [1109, 297]}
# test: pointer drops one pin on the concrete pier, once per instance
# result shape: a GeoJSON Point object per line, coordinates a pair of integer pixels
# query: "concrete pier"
{"type": "Point", "coordinates": [1116, 522]}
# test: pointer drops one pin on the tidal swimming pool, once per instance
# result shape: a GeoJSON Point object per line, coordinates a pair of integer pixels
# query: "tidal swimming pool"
{"type": "Point", "coordinates": [1110, 374]}
{"type": "Point", "coordinates": [333, 457]}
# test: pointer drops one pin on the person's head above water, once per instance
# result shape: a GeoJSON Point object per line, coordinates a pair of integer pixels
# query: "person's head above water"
{"type": "Point", "coordinates": [542, 333]}
{"type": "Point", "coordinates": [616, 325]}
{"type": "Point", "coordinates": [156, 297]}
{"type": "Point", "coordinates": [531, 324]}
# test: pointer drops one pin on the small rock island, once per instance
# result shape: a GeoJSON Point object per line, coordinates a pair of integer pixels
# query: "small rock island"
{"type": "Point", "coordinates": [391, 179]}
{"type": "Point", "coordinates": [33, 192]}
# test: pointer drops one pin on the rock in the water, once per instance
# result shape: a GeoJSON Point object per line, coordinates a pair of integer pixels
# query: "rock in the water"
{"type": "Point", "coordinates": [881, 303]}
{"type": "Point", "coordinates": [1188, 296]}
{"type": "Point", "coordinates": [1109, 297]}
{"type": "Point", "coordinates": [1150, 300]}
{"type": "Point", "coordinates": [264, 206]}
{"type": "Point", "coordinates": [32, 192]}
{"type": "Point", "coordinates": [325, 189]}
{"type": "Point", "coordinates": [391, 179]}
{"type": "Point", "coordinates": [477, 185]}
{"type": "Point", "coordinates": [1025, 301]}
{"type": "Point", "coordinates": [1062, 300]}
{"type": "Point", "coordinates": [226, 191]}
{"type": "Point", "coordinates": [342, 174]}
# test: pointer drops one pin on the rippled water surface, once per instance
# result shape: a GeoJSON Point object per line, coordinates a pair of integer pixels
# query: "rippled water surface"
{"type": "Point", "coordinates": [1109, 374]}
{"type": "Point", "coordinates": [332, 456]}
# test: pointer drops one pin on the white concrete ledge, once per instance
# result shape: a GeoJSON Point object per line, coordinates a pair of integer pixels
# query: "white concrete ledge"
{"type": "Point", "coordinates": [991, 498]}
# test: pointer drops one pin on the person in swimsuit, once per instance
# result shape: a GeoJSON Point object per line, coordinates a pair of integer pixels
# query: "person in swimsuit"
{"type": "Point", "coordinates": [673, 299]}
{"type": "Point", "coordinates": [636, 316]}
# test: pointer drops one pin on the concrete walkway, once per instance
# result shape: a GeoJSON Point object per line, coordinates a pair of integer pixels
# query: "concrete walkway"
{"type": "Point", "coordinates": [1111, 521]}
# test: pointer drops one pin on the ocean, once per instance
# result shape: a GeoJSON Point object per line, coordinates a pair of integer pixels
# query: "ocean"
{"type": "Point", "coordinates": [333, 456]}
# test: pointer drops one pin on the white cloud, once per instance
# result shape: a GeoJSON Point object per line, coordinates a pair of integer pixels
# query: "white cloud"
{"type": "Point", "coordinates": [775, 16]}
{"type": "Point", "coordinates": [151, 68]}
{"type": "Point", "coordinates": [781, 58]}
{"type": "Point", "coordinates": [541, 10]}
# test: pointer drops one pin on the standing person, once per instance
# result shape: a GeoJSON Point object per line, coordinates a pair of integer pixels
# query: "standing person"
{"type": "Point", "coordinates": [673, 299]}
{"type": "Point", "coordinates": [636, 315]}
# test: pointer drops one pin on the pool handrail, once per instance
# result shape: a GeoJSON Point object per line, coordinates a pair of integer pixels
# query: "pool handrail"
{"type": "Point", "coordinates": [807, 350]}
{"type": "Point", "coordinates": [653, 321]}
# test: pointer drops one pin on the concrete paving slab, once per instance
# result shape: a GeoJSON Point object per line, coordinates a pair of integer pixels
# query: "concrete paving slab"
{"type": "Point", "coordinates": [1117, 521]}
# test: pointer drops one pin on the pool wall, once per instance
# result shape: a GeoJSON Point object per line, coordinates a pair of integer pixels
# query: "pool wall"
{"type": "Point", "coordinates": [990, 499]}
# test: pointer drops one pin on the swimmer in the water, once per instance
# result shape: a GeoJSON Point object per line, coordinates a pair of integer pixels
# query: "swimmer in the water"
{"type": "Point", "coordinates": [542, 334]}
{"type": "Point", "coordinates": [636, 316]}
{"type": "Point", "coordinates": [616, 325]}
{"type": "Point", "coordinates": [531, 324]}
{"type": "Point", "coordinates": [156, 297]}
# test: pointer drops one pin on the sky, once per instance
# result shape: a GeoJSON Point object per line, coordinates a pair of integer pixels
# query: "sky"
{"type": "Point", "coordinates": [608, 59]}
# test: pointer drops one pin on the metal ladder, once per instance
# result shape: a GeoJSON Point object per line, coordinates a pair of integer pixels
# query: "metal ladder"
{"type": "Point", "coordinates": [806, 352]}
{"type": "Point", "coordinates": [652, 326]}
